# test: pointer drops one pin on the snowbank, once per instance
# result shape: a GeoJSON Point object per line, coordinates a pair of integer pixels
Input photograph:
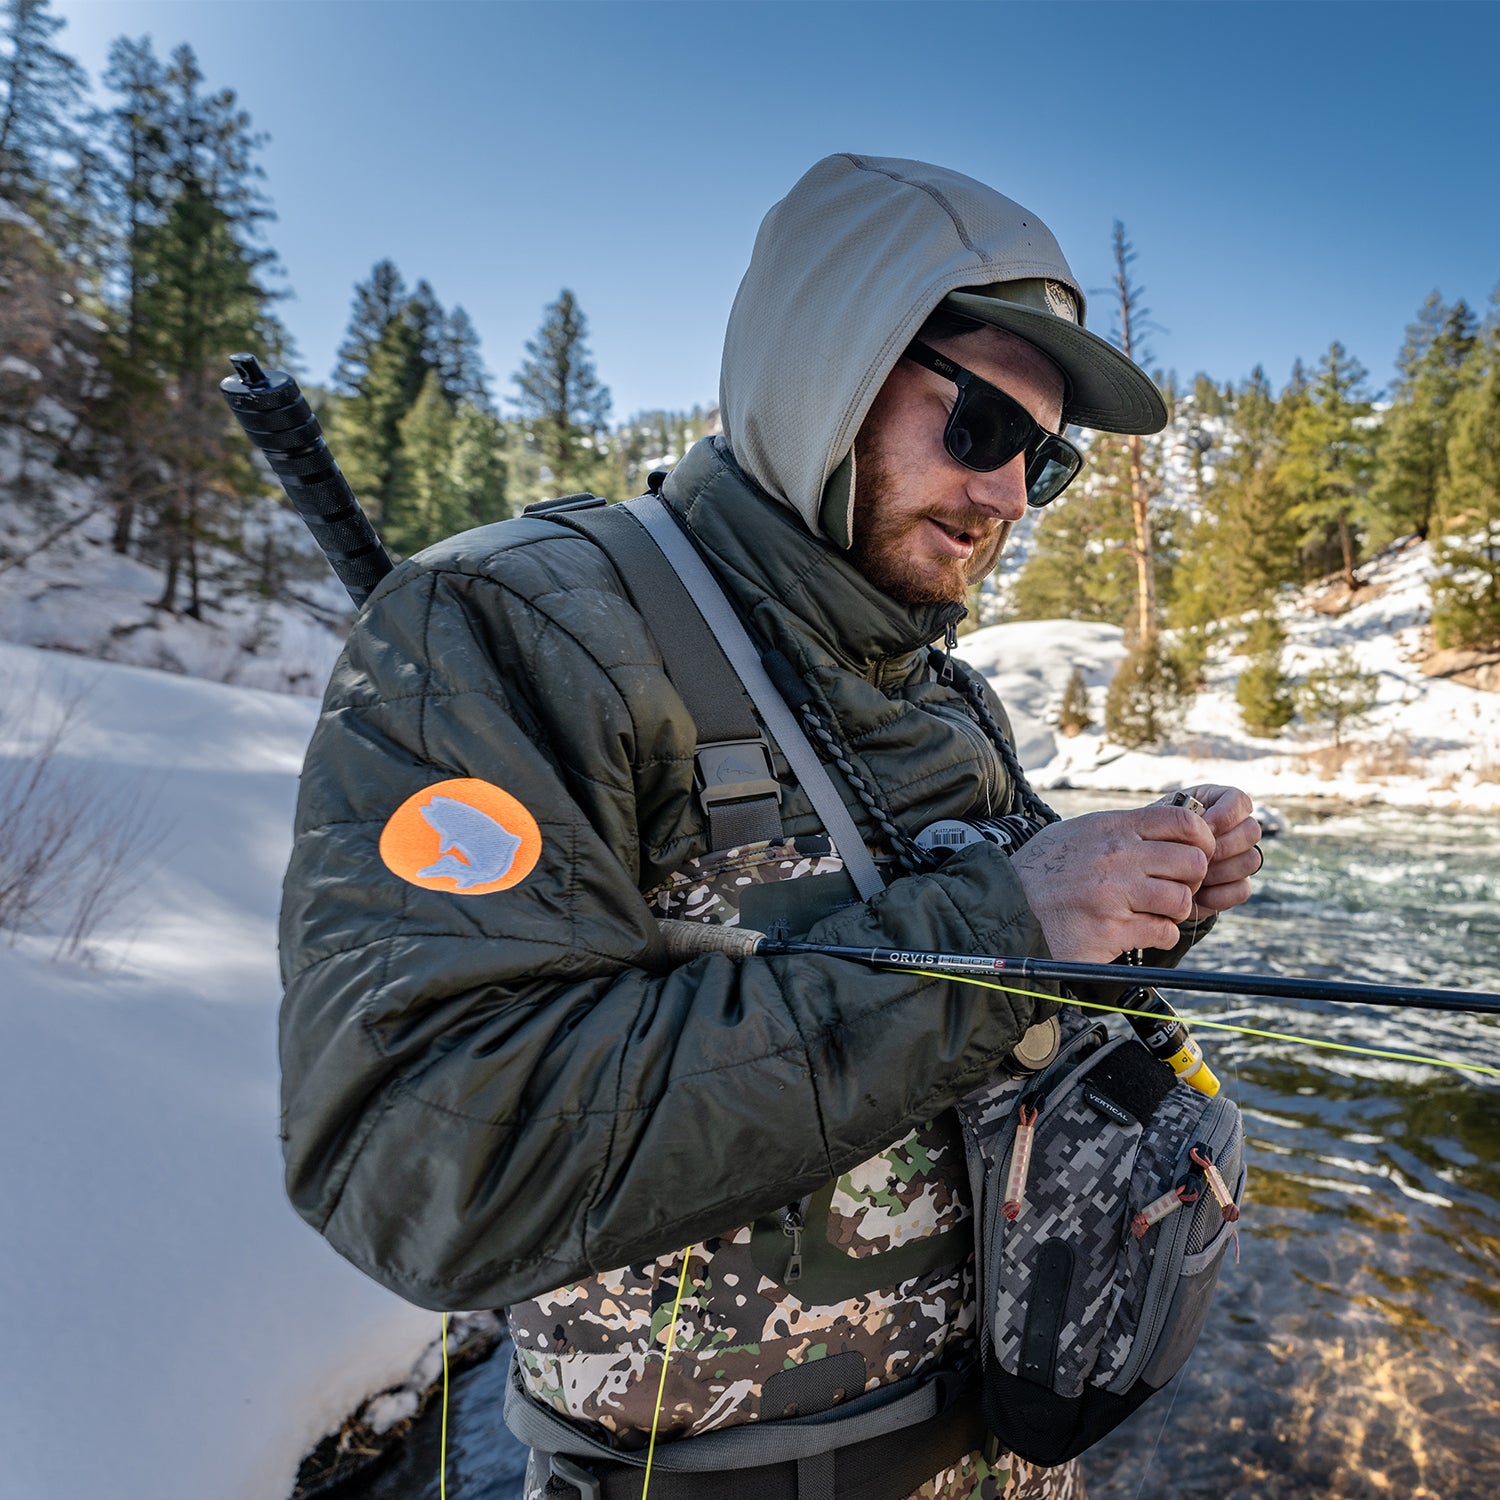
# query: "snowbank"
{"type": "Point", "coordinates": [170, 1329]}
{"type": "Point", "coordinates": [1429, 741]}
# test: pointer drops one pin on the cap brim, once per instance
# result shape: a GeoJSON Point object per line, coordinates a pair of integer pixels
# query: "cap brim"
{"type": "Point", "coordinates": [1106, 390]}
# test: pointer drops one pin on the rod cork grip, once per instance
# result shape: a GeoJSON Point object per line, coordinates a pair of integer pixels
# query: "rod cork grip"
{"type": "Point", "coordinates": [686, 940]}
{"type": "Point", "coordinates": [275, 416]}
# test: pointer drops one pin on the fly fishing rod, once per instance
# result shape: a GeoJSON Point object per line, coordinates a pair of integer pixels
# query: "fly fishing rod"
{"type": "Point", "coordinates": [990, 965]}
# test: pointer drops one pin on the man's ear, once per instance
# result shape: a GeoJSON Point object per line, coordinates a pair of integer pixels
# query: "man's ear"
{"type": "Point", "coordinates": [836, 511]}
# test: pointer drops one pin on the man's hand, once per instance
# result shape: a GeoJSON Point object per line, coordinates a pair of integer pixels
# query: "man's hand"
{"type": "Point", "coordinates": [1236, 856]}
{"type": "Point", "coordinates": [1109, 881]}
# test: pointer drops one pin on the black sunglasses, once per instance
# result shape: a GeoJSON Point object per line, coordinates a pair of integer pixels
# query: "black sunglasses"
{"type": "Point", "coordinates": [987, 428]}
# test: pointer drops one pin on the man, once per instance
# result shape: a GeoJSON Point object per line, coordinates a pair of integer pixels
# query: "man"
{"type": "Point", "coordinates": [498, 1091]}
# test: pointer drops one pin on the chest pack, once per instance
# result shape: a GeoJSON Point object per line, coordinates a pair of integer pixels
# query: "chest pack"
{"type": "Point", "coordinates": [1105, 1192]}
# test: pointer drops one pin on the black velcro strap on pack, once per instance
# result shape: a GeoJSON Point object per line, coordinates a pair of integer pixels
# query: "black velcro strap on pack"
{"type": "Point", "coordinates": [739, 794]}
{"type": "Point", "coordinates": [1134, 1080]}
{"type": "Point", "coordinates": [888, 1467]}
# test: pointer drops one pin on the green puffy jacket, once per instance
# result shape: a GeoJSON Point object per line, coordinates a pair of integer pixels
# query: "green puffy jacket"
{"type": "Point", "coordinates": [488, 1095]}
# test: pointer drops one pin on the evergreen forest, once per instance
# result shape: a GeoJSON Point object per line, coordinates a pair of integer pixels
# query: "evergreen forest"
{"type": "Point", "coordinates": [137, 252]}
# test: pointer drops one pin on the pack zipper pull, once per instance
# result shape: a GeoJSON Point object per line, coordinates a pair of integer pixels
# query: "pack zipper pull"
{"type": "Point", "coordinates": [1169, 1202]}
{"type": "Point", "coordinates": [1216, 1185]}
{"type": "Point", "coordinates": [1228, 1208]}
{"type": "Point", "coordinates": [1020, 1160]}
{"type": "Point", "coordinates": [791, 1226]}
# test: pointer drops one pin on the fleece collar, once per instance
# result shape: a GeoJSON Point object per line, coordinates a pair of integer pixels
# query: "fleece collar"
{"type": "Point", "coordinates": [764, 556]}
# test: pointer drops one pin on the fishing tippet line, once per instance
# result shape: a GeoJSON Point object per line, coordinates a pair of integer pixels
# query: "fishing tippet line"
{"type": "Point", "coordinates": [1274, 1036]}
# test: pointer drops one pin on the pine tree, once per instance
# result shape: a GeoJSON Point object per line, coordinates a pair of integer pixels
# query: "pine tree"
{"type": "Point", "coordinates": [136, 199]}
{"type": "Point", "coordinates": [1413, 459]}
{"type": "Point", "coordinates": [422, 504]}
{"type": "Point", "coordinates": [195, 269]}
{"type": "Point", "coordinates": [1078, 564]}
{"type": "Point", "coordinates": [1466, 592]}
{"type": "Point", "coordinates": [1146, 695]}
{"type": "Point", "coordinates": [385, 376]}
{"type": "Point", "coordinates": [376, 302]}
{"type": "Point", "coordinates": [41, 97]}
{"type": "Point", "coordinates": [1328, 458]}
{"type": "Point", "coordinates": [1132, 321]}
{"type": "Point", "coordinates": [1264, 691]}
{"type": "Point", "coordinates": [477, 467]}
{"type": "Point", "coordinates": [563, 406]}
{"type": "Point", "coordinates": [1241, 546]}
{"type": "Point", "coordinates": [1073, 712]}
{"type": "Point", "coordinates": [1338, 694]}
{"type": "Point", "coordinates": [457, 358]}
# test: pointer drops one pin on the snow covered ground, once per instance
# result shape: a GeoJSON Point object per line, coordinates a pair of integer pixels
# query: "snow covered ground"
{"type": "Point", "coordinates": [169, 1330]}
{"type": "Point", "coordinates": [1428, 742]}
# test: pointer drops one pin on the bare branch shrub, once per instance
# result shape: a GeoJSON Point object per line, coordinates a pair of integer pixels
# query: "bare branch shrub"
{"type": "Point", "coordinates": [69, 854]}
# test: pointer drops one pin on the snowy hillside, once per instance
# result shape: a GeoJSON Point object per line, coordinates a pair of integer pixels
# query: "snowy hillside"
{"type": "Point", "coordinates": [1429, 740]}
{"type": "Point", "coordinates": [171, 1330]}
{"type": "Point", "coordinates": [63, 587]}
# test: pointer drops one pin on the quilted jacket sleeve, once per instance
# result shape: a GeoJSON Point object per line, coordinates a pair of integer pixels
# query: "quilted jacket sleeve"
{"type": "Point", "coordinates": [486, 1096]}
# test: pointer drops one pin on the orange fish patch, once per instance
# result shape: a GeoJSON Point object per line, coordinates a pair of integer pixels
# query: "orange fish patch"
{"type": "Point", "coordinates": [463, 836]}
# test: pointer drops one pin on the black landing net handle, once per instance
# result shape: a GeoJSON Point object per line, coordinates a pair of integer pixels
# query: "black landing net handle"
{"type": "Point", "coordinates": [276, 417]}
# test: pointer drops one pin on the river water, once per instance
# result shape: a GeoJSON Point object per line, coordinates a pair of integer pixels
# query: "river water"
{"type": "Point", "coordinates": [1355, 1349]}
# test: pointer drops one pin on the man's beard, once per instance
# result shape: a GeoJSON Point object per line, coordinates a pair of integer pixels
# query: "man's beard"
{"type": "Point", "coordinates": [881, 547]}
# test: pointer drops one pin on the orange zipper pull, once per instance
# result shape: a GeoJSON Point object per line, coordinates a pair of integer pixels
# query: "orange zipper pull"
{"type": "Point", "coordinates": [1168, 1203]}
{"type": "Point", "coordinates": [1020, 1162]}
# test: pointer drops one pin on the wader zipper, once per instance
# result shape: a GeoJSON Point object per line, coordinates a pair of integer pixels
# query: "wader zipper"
{"type": "Point", "coordinates": [792, 1225]}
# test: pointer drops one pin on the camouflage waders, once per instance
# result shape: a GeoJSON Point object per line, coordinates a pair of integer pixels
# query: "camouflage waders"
{"type": "Point", "coordinates": [877, 1268]}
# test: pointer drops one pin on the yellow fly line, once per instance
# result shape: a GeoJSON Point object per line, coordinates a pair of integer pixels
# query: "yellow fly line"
{"type": "Point", "coordinates": [443, 1445]}
{"type": "Point", "coordinates": [661, 1385]}
{"type": "Point", "coordinates": [1275, 1036]}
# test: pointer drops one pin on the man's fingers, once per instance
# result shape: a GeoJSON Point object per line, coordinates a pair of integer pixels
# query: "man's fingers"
{"type": "Point", "coordinates": [1160, 932]}
{"type": "Point", "coordinates": [1218, 898]}
{"type": "Point", "coordinates": [1175, 825]}
{"type": "Point", "coordinates": [1164, 898]}
{"type": "Point", "coordinates": [1237, 867]}
{"type": "Point", "coordinates": [1186, 864]}
{"type": "Point", "coordinates": [1224, 807]}
{"type": "Point", "coordinates": [1244, 835]}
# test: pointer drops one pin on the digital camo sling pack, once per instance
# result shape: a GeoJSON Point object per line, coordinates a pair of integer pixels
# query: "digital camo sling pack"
{"type": "Point", "coordinates": [1105, 1196]}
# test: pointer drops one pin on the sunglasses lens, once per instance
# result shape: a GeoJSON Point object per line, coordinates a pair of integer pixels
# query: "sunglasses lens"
{"type": "Point", "coordinates": [1050, 470]}
{"type": "Point", "coordinates": [982, 434]}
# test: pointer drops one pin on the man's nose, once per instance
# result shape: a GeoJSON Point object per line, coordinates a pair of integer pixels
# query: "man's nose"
{"type": "Point", "coordinates": [1001, 491]}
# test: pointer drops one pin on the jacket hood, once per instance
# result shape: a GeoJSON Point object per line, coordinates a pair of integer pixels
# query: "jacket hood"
{"type": "Point", "coordinates": [844, 271]}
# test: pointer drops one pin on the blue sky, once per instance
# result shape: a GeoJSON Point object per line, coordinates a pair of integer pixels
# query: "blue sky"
{"type": "Point", "coordinates": [1290, 173]}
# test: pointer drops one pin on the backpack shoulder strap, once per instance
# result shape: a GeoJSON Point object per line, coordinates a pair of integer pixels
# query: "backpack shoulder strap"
{"type": "Point", "coordinates": [736, 782]}
{"type": "Point", "coordinates": [720, 617]}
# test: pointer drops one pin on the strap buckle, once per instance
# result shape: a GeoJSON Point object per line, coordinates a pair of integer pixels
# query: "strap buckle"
{"type": "Point", "coordinates": [735, 771]}
{"type": "Point", "coordinates": [565, 1469]}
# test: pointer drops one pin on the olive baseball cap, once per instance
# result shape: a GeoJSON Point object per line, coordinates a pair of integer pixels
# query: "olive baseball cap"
{"type": "Point", "coordinates": [1106, 391]}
